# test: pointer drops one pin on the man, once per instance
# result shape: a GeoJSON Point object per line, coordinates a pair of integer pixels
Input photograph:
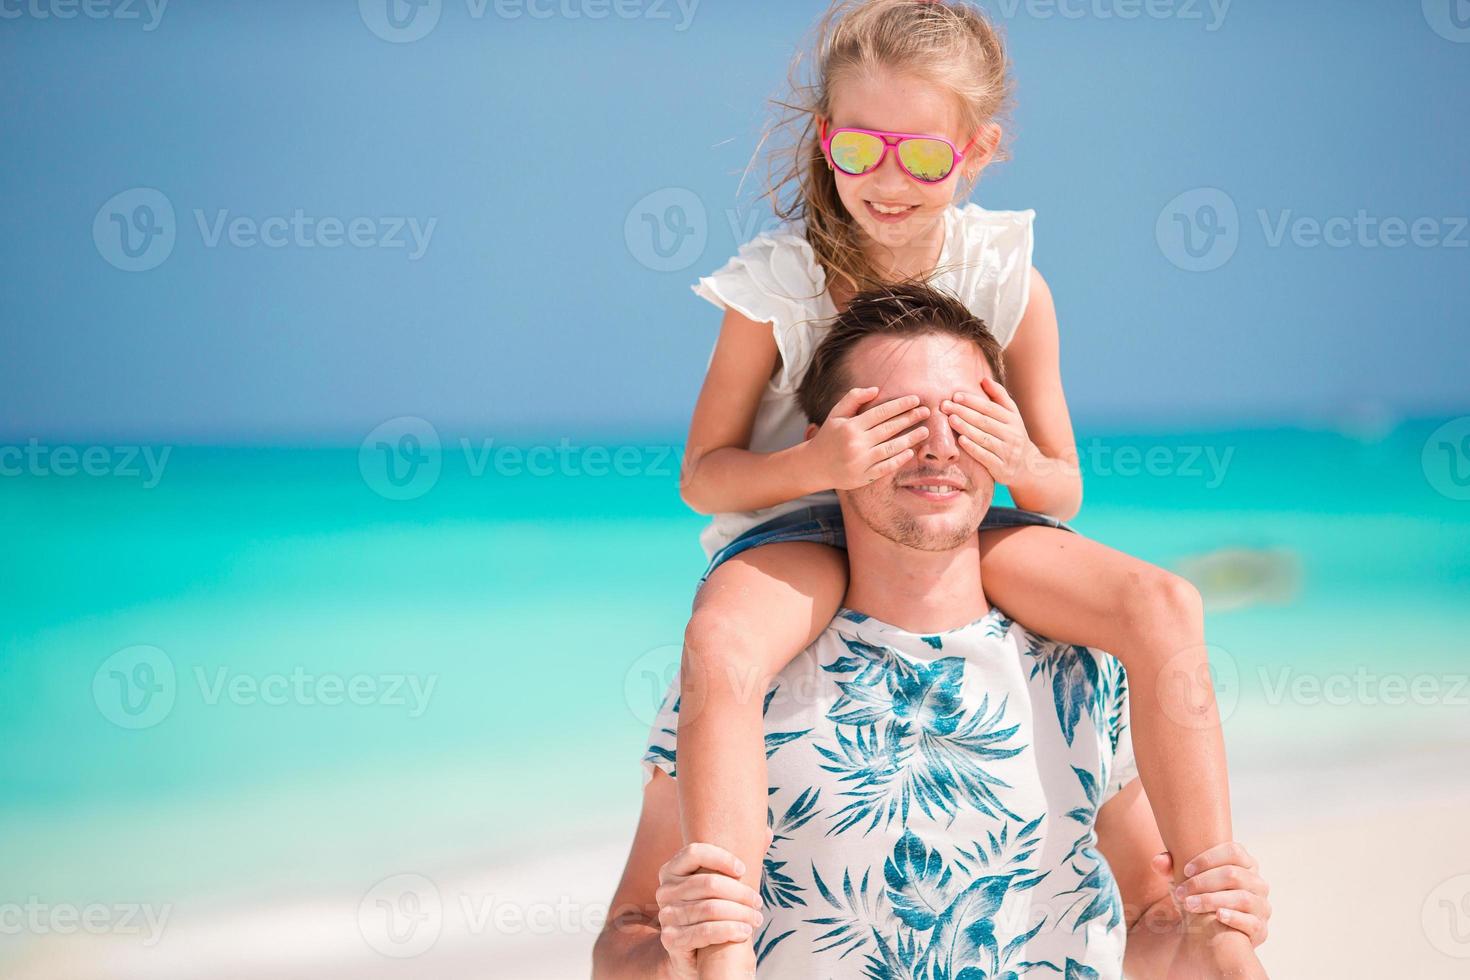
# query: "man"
{"type": "Point", "coordinates": [944, 785]}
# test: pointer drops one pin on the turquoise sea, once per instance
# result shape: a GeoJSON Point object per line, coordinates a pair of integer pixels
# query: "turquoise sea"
{"type": "Point", "coordinates": [262, 673]}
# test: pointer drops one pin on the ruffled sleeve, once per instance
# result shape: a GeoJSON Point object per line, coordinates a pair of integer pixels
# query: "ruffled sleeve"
{"type": "Point", "coordinates": [775, 278]}
{"type": "Point", "coordinates": [990, 265]}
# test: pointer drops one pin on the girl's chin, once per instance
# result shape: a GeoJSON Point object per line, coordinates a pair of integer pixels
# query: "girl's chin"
{"type": "Point", "coordinates": [894, 234]}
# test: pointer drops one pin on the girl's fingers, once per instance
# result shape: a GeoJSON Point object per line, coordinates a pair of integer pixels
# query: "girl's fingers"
{"type": "Point", "coordinates": [884, 411]}
{"type": "Point", "coordinates": [1252, 925]}
{"type": "Point", "coordinates": [893, 447]}
{"type": "Point", "coordinates": [707, 934]}
{"type": "Point", "coordinates": [691, 857]}
{"type": "Point", "coordinates": [996, 390]}
{"type": "Point", "coordinates": [993, 463]}
{"type": "Point", "coordinates": [699, 887]}
{"type": "Point", "coordinates": [894, 426]}
{"type": "Point", "coordinates": [890, 465]}
{"type": "Point", "coordinates": [1230, 852]}
{"type": "Point", "coordinates": [708, 910]}
{"type": "Point", "coordinates": [990, 440]}
{"type": "Point", "coordinates": [849, 403]}
{"type": "Point", "coordinates": [1001, 432]}
{"type": "Point", "coordinates": [1223, 879]}
{"type": "Point", "coordinates": [977, 407]}
{"type": "Point", "coordinates": [1238, 899]}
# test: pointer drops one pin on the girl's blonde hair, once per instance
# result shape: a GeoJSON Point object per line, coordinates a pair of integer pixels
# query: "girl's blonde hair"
{"type": "Point", "coordinates": [950, 44]}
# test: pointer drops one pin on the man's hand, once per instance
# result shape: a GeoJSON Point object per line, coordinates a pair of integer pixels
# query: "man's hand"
{"type": "Point", "coordinates": [1163, 945]}
{"type": "Point", "coordinates": [702, 902]}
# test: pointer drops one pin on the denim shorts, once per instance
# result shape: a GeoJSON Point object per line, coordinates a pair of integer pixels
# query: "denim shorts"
{"type": "Point", "coordinates": [823, 523]}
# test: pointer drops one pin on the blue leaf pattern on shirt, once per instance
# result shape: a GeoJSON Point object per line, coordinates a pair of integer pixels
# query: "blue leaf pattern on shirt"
{"type": "Point", "coordinates": [901, 737]}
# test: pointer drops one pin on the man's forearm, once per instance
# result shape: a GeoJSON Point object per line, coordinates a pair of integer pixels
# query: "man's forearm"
{"type": "Point", "coordinates": [630, 951]}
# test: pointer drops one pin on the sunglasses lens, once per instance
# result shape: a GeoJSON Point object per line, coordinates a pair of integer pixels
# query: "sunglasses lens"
{"type": "Point", "coordinates": [856, 153]}
{"type": "Point", "coordinates": [926, 159]}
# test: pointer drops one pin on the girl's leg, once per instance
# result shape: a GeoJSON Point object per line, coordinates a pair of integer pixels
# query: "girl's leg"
{"type": "Point", "coordinates": [1073, 590]}
{"type": "Point", "coordinates": [752, 616]}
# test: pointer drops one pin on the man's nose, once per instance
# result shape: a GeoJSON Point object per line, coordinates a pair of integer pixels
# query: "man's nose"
{"type": "Point", "coordinates": [942, 444]}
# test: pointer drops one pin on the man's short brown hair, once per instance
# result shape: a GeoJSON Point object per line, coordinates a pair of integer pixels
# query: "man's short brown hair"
{"type": "Point", "coordinates": [910, 310]}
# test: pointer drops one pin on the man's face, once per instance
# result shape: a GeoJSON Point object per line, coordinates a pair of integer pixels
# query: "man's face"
{"type": "Point", "coordinates": [936, 502]}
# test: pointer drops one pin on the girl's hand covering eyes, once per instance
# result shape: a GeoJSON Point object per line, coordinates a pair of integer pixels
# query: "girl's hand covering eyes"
{"type": "Point", "coordinates": [989, 428]}
{"type": "Point", "coordinates": [853, 448]}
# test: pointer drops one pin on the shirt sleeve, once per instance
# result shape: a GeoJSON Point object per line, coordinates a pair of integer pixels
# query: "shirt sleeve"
{"type": "Point", "coordinates": [995, 252]}
{"type": "Point", "coordinates": [663, 736]}
{"type": "Point", "coordinates": [1123, 768]}
{"type": "Point", "coordinates": [776, 279]}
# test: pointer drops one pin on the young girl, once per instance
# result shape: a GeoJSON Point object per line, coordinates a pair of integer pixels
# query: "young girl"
{"type": "Point", "coordinates": [900, 119]}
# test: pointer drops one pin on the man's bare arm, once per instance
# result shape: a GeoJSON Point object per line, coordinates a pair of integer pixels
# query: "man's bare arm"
{"type": "Point", "coordinates": [673, 899]}
{"type": "Point", "coordinates": [1160, 942]}
{"type": "Point", "coordinates": [629, 947]}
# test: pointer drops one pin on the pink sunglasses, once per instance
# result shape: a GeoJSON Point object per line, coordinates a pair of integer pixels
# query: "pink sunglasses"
{"type": "Point", "coordinates": [929, 159]}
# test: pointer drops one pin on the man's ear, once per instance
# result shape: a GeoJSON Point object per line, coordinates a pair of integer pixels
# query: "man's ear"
{"type": "Point", "coordinates": [811, 430]}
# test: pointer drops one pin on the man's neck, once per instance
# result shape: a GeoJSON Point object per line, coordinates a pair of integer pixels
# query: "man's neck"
{"type": "Point", "coordinates": [917, 591]}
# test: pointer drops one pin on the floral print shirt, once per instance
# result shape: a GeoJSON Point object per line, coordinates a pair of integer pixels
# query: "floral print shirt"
{"type": "Point", "coordinates": [933, 800]}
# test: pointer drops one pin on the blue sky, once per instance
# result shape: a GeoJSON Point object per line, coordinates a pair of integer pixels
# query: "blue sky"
{"type": "Point", "coordinates": [449, 226]}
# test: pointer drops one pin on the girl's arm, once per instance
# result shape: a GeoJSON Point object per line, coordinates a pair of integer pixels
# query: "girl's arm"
{"type": "Point", "coordinates": [719, 473]}
{"type": "Point", "coordinates": [1027, 443]}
